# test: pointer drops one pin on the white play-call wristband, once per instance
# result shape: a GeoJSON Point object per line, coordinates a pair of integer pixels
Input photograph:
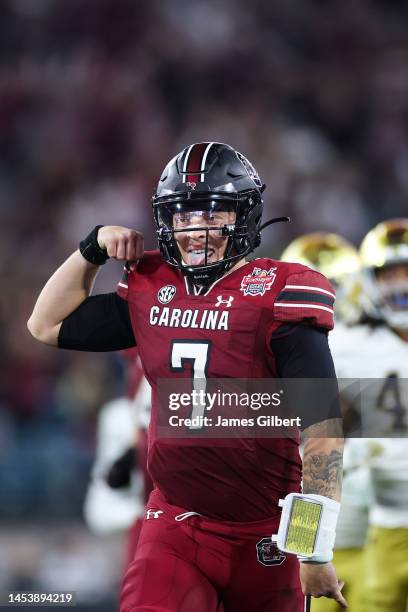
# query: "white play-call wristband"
{"type": "Point", "coordinates": [307, 526]}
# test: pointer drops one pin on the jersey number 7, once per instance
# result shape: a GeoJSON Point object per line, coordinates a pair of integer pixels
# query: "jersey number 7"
{"type": "Point", "coordinates": [197, 354]}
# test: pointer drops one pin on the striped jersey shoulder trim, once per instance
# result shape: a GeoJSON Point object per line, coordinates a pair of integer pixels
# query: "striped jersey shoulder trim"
{"type": "Point", "coordinates": [304, 296]}
{"type": "Point", "coordinates": [314, 306]}
{"type": "Point", "coordinates": [309, 288]}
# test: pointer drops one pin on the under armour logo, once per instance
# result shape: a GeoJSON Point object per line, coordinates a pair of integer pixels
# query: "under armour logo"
{"type": "Point", "coordinates": [221, 302]}
{"type": "Point", "coordinates": [153, 514]}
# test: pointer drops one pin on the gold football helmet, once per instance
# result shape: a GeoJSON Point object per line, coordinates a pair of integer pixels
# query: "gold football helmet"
{"type": "Point", "coordinates": [326, 252]}
{"type": "Point", "coordinates": [338, 260]}
{"type": "Point", "coordinates": [384, 259]}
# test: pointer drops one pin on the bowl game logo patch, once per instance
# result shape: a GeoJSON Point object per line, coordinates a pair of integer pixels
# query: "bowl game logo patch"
{"type": "Point", "coordinates": [258, 282]}
{"type": "Point", "coordinates": [268, 553]}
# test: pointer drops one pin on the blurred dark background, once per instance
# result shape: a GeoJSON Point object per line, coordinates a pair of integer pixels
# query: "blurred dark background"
{"type": "Point", "coordinates": [95, 97]}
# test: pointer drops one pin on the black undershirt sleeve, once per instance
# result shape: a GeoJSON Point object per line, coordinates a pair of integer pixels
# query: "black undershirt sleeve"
{"type": "Point", "coordinates": [100, 323]}
{"type": "Point", "coordinates": [303, 352]}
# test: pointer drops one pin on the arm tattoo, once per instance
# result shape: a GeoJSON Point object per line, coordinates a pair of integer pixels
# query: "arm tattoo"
{"type": "Point", "coordinates": [322, 473]}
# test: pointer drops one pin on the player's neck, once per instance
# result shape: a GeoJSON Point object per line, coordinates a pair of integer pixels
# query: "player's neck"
{"type": "Point", "coordinates": [239, 264]}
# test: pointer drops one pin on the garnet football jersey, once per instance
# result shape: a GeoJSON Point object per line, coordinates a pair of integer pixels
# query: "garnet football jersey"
{"type": "Point", "coordinates": [229, 325]}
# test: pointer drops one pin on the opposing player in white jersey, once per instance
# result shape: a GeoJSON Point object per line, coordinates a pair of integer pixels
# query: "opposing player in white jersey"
{"type": "Point", "coordinates": [119, 485]}
{"type": "Point", "coordinates": [339, 261]}
{"type": "Point", "coordinates": [376, 350]}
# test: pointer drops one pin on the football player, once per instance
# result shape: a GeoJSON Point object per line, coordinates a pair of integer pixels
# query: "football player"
{"type": "Point", "coordinates": [108, 507]}
{"type": "Point", "coordinates": [120, 486]}
{"type": "Point", "coordinates": [376, 351]}
{"type": "Point", "coordinates": [200, 309]}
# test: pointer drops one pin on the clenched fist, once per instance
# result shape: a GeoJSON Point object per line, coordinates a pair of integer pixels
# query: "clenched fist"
{"type": "Point", "coordinates": [122, 243]}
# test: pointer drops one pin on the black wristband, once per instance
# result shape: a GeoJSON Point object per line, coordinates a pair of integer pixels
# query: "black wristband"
{"type": "Point", "coordinates": [90, 249]}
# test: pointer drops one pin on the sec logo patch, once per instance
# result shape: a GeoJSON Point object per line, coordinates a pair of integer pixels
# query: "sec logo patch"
{"type": "Point", "coordinates": [166, 294]}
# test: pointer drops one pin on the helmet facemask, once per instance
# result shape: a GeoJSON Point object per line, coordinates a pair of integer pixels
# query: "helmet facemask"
{"type": "Point", "coordinates": [384, 256]}
{"type": "Point", "coordinates": [388, 292]}
{"type": "Point", "coordinates": [204, 237]}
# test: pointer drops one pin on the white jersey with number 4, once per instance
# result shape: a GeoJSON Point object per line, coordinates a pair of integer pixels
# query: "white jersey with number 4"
{"type": "Point", "coordinates": [380, 355]}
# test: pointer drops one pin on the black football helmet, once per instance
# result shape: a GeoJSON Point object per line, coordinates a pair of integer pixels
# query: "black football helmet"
{"type": "Point", "coordinates": [209, 176]}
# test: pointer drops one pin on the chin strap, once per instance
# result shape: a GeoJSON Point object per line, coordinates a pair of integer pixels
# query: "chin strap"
{"type": "Point", "coordinates": [274, 220]}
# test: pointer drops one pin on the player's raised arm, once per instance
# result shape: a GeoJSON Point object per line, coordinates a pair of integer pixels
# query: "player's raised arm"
{"type": "Point", "coordinates": [71, 284]}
